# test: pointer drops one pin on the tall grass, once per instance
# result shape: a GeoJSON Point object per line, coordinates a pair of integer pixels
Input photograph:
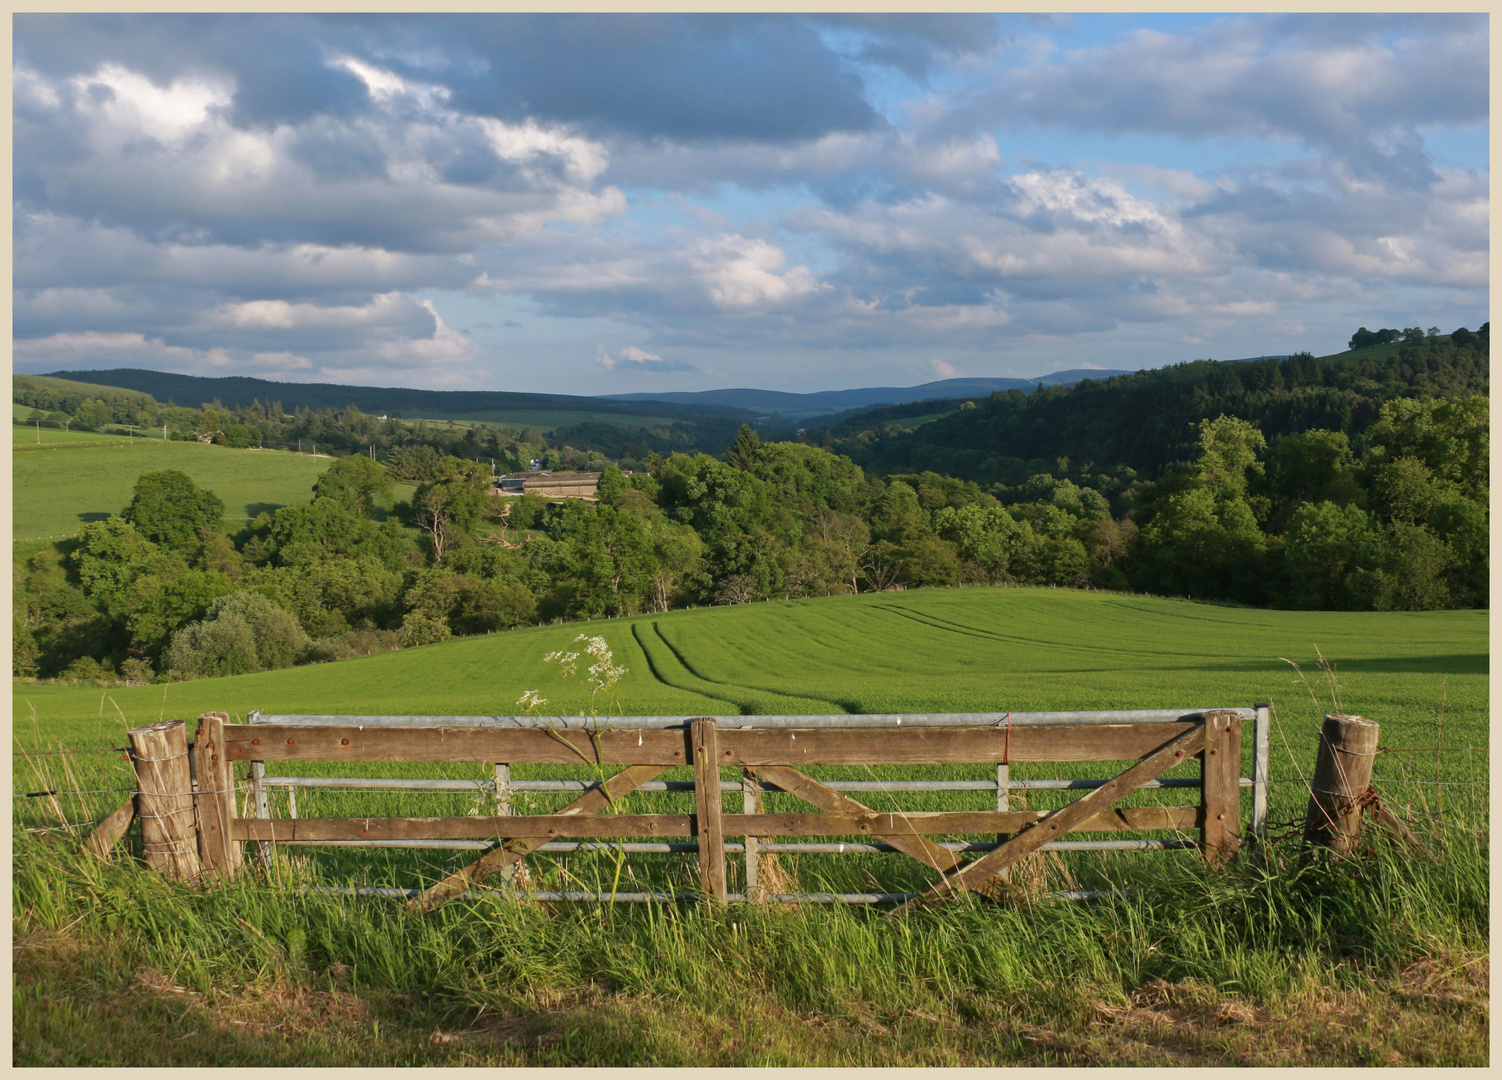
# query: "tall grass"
{"type": "Point", "coordinates": [1271, 930]}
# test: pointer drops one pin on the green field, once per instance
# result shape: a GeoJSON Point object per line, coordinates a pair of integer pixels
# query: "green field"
{"type": "Point", "coordinates": [88, 477]}
{"type": "Point", "coordinates": [26, 438]}
{"type": "Point", "coordinates": [937, 650]}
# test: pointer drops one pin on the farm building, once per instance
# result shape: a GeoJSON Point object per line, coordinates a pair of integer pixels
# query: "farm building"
{"type": "Point", "coordinates": [576, 485]}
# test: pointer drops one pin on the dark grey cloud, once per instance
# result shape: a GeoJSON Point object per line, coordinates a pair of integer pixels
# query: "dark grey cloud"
{"type": "Point", "coordinates": [752, 77]}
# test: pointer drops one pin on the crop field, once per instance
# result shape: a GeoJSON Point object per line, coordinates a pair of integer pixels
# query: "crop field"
{"type": "Point", "coordinates": [56, 490]}
{"type": "Point", "coordinates": [1383, 962]}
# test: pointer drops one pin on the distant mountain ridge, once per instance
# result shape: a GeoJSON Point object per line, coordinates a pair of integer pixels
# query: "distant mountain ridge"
{"type": "Point", "coordinates": [241, 390]}
{"type": "Point", "coordinates": [832, 401]}
{"type": "Point", "coordinates": [740, 403]}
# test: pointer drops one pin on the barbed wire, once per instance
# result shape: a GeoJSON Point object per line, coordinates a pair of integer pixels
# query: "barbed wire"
{"type": "Point", "coordinates": [63, 828]}
{"type": "Point", "coordinates": [1432, 750]}
{"type": "Point", "coordinates": [63, 791]}
{"type": "Point", "coordinates": [56, 753]}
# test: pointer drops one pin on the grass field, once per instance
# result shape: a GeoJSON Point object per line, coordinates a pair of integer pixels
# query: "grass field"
{"type": "Point", "coordinates": [1380, 961]}
{"type": "Point", "coordinates": [26, 439]}
{"type": "Point", "coordinates": [86, 477]}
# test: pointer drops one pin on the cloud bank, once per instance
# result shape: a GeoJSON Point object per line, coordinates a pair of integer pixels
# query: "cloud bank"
{"type": "Point", "coordinates": [778, 200]}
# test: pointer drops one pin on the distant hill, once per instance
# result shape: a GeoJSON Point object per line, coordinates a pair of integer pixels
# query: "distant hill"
{"type": "Point", "coordinates": [197, 390]}
{"type": "Point", "coordinates": [824, 402]}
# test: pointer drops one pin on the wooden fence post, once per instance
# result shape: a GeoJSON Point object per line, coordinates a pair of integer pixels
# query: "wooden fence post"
{"type": "Point", "coordinates": [751, 804]}
{"type": "Point", "coordinates": [164, 798]}
{"type": "Point", "coordinates": [1220, 779]}
{"type": "Point", "coordinates": [706, 750]}
{"type": "Point", "coordinates": [1342, 774]}
{"type": "Point", "coordinates": [216, 798]}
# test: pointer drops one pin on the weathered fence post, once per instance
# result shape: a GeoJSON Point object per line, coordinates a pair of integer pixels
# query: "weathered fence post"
{"type": "Point", "coordinates": [164, 798]}
{"type": "Point", "coordinates": [751, 804]}
{"type": "Point", "coordinates": [706, 750]}
{"type": "Point", "coordinates": [1342, 774]}
{"type": "Point", "coordinates": [1220, 779]}
{"type": "Point", "coordinates": [216, 798]}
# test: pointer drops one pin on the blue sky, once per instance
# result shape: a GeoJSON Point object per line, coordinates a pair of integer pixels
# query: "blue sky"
{"type": "Point", "coordinates": [603, 204]}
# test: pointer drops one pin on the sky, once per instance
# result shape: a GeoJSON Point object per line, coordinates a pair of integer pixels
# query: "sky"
{"type": "Point", "coordinates": [599, 204]}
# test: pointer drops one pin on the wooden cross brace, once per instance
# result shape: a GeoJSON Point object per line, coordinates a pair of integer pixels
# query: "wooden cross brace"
{"type": "Point", "coordinates": [1062, 820]}
{"type": "Point", "coordinates": [824, 797]}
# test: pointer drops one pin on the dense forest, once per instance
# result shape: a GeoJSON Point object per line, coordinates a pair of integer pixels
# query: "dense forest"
{"type": "Point", "coordinates": [1356, 483]}
{"type": "Point", "coordinates": [1145, 422]}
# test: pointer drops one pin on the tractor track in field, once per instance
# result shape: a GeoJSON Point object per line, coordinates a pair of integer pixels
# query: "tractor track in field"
{"type": "Point", "coordinates": [936, 622]}
{"type": "Point", "coordinates": [744, 707]}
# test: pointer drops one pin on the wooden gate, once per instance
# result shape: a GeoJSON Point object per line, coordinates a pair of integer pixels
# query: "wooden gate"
{"type": "Point", "coordinates": [769, 753]}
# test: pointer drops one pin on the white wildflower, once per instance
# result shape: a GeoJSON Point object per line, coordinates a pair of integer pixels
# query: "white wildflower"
{"type": "Point", "coordinates": [531, 700]}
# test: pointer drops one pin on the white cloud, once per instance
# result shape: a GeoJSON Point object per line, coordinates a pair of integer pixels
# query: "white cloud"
{"type": "Point", "coordinates": [740, 272]}
{"type": "Point", "coordinates": [124, 103]}
{"type": "Point", "coordinates": [630, 358]}
{"type": "Point", "coordinates": [943, 370]}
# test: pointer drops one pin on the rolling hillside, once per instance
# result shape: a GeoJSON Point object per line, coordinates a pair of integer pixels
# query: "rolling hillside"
{"type": "Point", "coordinates": [66, 482]}
{"type": "Point", "coordinates": [956, 650]}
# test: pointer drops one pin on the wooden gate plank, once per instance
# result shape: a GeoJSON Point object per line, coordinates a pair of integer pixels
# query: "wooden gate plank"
{"type": "Point", "coordinates": [215, 798]}
{"type": "Point", "coordinates": [1220, 775]}
{"type": "Point", "coordinates": [669, 746]}
{"type": "Point", "coordinates": [1061, 820]}
{"type": "Point", "coordinates": [707, 807]}
{"type": "Point", "coordinates": [545, 827]}
{"type": "Point", "coordinates": [591, 802]}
